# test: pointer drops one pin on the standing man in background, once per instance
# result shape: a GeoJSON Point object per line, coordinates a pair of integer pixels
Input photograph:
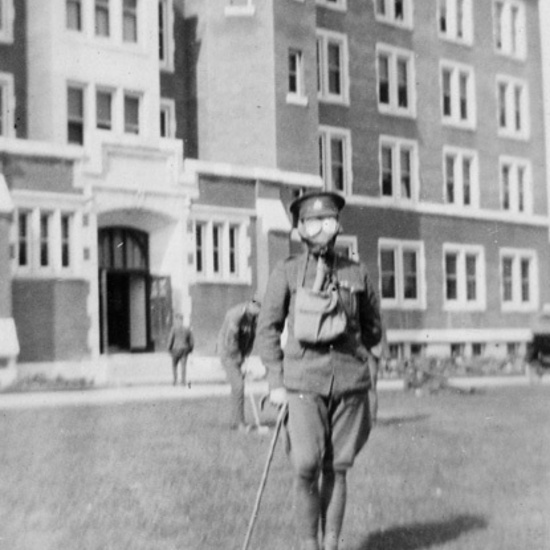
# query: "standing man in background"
{"type": "Point", "coordinates": [327, 372]}
{"type": "Point", "coordinates": [180, 345]}
{"type": "Point", "coordinates": [235, 343]}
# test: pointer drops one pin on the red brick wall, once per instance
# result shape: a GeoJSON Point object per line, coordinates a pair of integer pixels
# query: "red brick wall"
{"type": "Point", "coordinates": [51, 319]}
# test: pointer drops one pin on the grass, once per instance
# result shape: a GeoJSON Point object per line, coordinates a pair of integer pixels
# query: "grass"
{"type": "Point", "coordinates": [40, 382]}
{"type": "Point", "coordinates": [442, 471]}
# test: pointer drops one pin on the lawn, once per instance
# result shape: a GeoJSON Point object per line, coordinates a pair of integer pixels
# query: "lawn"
{"type": "Point", "coordinates": [443, 471]}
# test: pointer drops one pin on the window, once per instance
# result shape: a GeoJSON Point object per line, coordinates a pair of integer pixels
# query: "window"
{"type": "Point", "coordinates": [129, 21]}
{"type": "Point", "coordinates": [296, 86]}
{"type": "Point", "coordinates": [513, 108]}
{"type": "Point", "coordinates": [395, 72]}
{"type": "Point", "coordinates": [74, 14]}
{"type": "Point", "coordinates": [44, 239]}
{"type": "Point", "coordinates": [166, 46]}
{"type": "Point", "coordinates": [478, 349]}
{"type": "Point", "coordinates": [332, 67]}
{"type": "Point", "coordinates": [200, 230]}
{"type": "Point", "coordinates": [401, 265]}
{"type": "Point", "coordinates": [458, 95]}
{"type": "Point", "coordinates": [509, 28]}
{"type": "Point", "coordinates": [23, 239]}
{"type": "Point", "coordinates": [455, 20]}
{"type": "Point", "coordinates": [66, 231]}
{"type": "Point", "coordinates": [394, 12]}
{"type": "Point", "coordinates": [519, 279]}
{"type": "Point", "coordinates": [75, 115]}
{"type": "Point", "coordinates": [104, 116]}
{"type": "Point", "coordinates": [6, 21]}
{"type": "Point", "coordinates": [219, 250]}
{"type": "Point", "coordinates": [102, 18]}
{"type": "Point", "coordinates": [240, 8]}
{"type": "Point", "coordinates": [233, 249]}
{"type": "Point", "coordinates": [340, 5]}
{"type": "Point", "coordinates": [167, 118]}
{"type": "Point", "coordinates": [131, 114]}
{"type": "Point", "coordinates": [335, 158]}
{"type": "Point", "coordinates": [6, 104]}
{"type": "Point", "coordinates": [515, 185]}
{"type": "Point", "coordinates": [460, 177]}
{"type": "Point", "coordinates": [398, 168]}
{"type": "Point", "coordinates": [464, 271]}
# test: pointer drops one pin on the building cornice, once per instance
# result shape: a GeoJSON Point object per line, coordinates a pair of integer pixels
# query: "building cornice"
{"type": "Point", "coordinates": [32, 148]}
{"type": "Point", "coordinates": [256, 173]}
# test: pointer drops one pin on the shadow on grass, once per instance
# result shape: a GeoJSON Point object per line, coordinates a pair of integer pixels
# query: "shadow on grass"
{"type": "Point", "coordinates": [401, 419]}
{"type": "Point", "coordinates": [422, 535]}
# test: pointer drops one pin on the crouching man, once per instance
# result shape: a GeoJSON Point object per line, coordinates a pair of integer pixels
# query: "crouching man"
{"type": "Point", "coordinates": [326, 373]}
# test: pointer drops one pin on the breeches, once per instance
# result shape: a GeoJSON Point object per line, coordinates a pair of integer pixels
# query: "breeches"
{"type": "Point", "coordinates": [326, 432]}
{"type": "Point", "coordinates": [236, 380]}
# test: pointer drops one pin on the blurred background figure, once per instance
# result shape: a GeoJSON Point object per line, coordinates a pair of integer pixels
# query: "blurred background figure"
{"type": "Point", "coordinates": [235, 343]}
{"type": "Point", "coordinates": [180, 345]}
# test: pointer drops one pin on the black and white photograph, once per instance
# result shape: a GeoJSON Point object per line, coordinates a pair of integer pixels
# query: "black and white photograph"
{"type": "Point", "coordinates": [275, 274]}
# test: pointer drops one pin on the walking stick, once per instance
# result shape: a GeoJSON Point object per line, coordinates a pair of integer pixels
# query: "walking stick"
{"type": "Point", "coordinates": [278, 425]}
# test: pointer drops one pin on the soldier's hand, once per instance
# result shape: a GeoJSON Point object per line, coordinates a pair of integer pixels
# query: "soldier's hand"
{"type": "Point", "coordinates": [278, 397]}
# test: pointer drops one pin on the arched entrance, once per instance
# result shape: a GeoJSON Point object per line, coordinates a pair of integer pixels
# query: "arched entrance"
{"type": "Point", "coordinates": [128, 294]}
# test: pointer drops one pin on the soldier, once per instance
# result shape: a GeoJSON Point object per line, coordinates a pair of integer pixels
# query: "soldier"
{"type": "Point", "coordinates": [235, 343]}
{"type": "Point", "coordinates": [180, 345]}
{"type": "Point", "coordinates": [327, 373]}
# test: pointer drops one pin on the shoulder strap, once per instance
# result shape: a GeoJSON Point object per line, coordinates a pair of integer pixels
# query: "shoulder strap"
{"type": "Point", "coordinates": [302, 269]}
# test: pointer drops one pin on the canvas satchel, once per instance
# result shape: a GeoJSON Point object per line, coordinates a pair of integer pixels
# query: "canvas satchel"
{"type": "Point", "coordinates": [319, 315]}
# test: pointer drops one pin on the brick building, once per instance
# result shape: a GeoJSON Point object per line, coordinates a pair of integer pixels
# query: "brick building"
{"type": "Point", "coordinates": [150, 150]}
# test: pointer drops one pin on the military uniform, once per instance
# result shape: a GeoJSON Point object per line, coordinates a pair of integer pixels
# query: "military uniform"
{"type": "Point", "coordinates": [327, 384]}
{"type": "Point", "coordinates": [329, 370]}
{"type": "Point", "coordinates": [180, 345]}
{"type": "Point", "coordinates": [235, 343]}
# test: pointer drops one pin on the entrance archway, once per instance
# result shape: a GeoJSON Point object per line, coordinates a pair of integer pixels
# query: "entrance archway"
{"type": "Point", "coordinates": [124, 282]}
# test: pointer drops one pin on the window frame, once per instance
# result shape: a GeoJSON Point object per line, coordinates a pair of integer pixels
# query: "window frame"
{"type": "Point", "coordinates": [509, 129]}
{"type": "Point", "coordinates": [325, 139]}
{"type": "Point", "coordinates": [452, 32]}
{"type": "Point", "coordinates": [107, 92]}
{"type": "Point", "coordinates": [127, 126]}
{"type": "Point", "coordinates": [133, 12]}
{"type": "Point", "coordinates": [454, 118]}
{"type": "Point", "coordinates": [459, 155]}
{"type": "Point", "coordinates": [102, 6]}
{"type": "Point", "coordinates": [80, 23]}
{"type": "Point", "coordinates": [7, 105]}
{"type": "Point", "coordinates": [504, 31]}
{"type": "Point", "coordinates": [517, 255]}
{"type": "Point", "coordinates": [27, 241]}
{"type": "Point", "coordinates": [74, 86]}
{"type": "Point", "coordinates": [168, 107]}
{"type": "Point", "coordinates": [397, 145]}
{"type": "Point", "coordinates": [298, 97]}
{"type": "Point", "coordinates": [166, 35]}
{"type": "Point", "coordinates": [389, 16]}
{"type": "Point", "coordinates": [516, 164]}
{"type": "Point", "coordinates": [7, 16]}
{"type": "Point", "coordinates": [66, 243]}
{"type": "Point", "coordinates": [221, 251]}
{"type": "Point", "coordinates": [324, 37]}
{"type": "Point", "coordinates": [462, 252]}
{"type": "Point", "coordinates": [394, 55]}
{"type": "Point", "coordinates": [399, 247]}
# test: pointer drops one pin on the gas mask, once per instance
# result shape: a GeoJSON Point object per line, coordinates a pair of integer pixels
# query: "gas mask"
{"type": "Point", "coordinates": [319, 233]}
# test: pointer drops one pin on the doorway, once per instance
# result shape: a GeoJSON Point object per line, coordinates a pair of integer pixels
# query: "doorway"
{"type": "Point", "coordinates": [124, 290]}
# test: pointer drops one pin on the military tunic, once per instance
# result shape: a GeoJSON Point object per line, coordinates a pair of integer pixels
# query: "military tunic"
{"type": "Point", "coordinates": [336, 368]}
